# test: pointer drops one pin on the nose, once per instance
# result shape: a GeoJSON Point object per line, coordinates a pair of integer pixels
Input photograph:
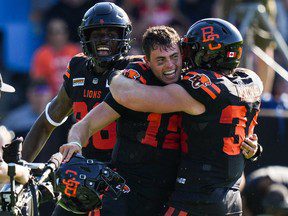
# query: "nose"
{"type": "Point", "coordinates": [103, 34]}
{"type": "Point", "coordinates": [170, 64]}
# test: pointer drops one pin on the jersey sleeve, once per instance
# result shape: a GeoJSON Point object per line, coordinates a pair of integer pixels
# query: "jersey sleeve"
{"type": "Point", "coordinates": [121, 110]}
{"type": "Point", "coordinates": [136, 71]}
{"type": "Point", "coordinates": [68, 79]}
{"type": "Point", "coordinates": [201, 87]}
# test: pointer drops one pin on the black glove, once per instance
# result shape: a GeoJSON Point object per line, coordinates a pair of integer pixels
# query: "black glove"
{"type": "Point", "coordinates": [12, 153]}
{"type": "Point", "coordinates": [257, 154]}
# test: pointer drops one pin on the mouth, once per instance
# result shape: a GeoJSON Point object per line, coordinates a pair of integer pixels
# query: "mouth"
{"type": "Point", "coordinates": [170, 74]}
{"type": "Point", "coordinates": [103, 50]}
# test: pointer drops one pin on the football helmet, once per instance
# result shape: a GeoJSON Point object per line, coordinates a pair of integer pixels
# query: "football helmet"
{"type": "Point", "coordinates": [105, 15]}
{"type": "Point", "coordinates": [213, 44]}
{"type": "Point", "coordinates": [81, 181]}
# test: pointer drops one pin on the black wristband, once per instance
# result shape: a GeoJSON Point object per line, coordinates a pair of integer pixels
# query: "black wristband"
{"type": "Point", "coordinates": [257, 154]}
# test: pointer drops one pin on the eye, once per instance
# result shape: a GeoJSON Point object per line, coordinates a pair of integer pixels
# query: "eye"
{"type": "Point", "coordinates": [160, 61]}
{"type": "Point", "coordinates": [175, 57]}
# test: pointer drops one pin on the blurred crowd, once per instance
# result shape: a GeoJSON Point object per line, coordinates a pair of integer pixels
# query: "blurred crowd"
{"type": "Point", "coordinates": [55, 38]}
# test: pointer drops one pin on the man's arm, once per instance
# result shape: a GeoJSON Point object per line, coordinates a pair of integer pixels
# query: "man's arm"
{"type": "Point", "coordinates": [22, 174]}
{"type": "Point", "coordinates": [156, 99]}
{"type": "Point", "coordinates": [60, 107]}
{"type": "Point", "coordinates": [98, 118]}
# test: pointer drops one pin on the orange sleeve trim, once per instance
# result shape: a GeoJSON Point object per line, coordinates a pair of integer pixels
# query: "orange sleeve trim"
{"type": "Point", "coordinates": [142, 65]}
{"type": "Point", "coordinates": [170, 211]}
{"type": "Point", "coordinates": [182, 213]}
{"type": "Point", "coordinates": [216, 88]}
{"type": "Point", "coordinates": [67, 74]}
{"type": "Point", "coordinates": [208, 91]}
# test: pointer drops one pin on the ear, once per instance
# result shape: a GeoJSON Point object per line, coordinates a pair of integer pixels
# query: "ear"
{"type": "Point", "coordinates": [146, 60]}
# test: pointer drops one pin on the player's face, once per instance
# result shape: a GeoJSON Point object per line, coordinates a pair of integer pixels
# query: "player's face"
{"type": "Point", "coordinates": [104, 41]}
{"type": "Point", "coordinates": [166, 64]}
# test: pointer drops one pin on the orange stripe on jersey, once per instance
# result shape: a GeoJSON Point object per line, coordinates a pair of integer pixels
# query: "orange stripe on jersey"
{"type": "Point", "coordinates": [216, 88]}
{"type": "Point", "coordinates": [95, 212]}
{"type": "Point", "coordinates": [182, 213]}
{"type": "Point", "coordinates": [67, 74]}
{"type": "Point", "coordinates": [217, 75]}
{"type": "Point", "coordinates": [143, 65]}
{"type": "Point", "coordinates": [170, 211]}
{"type": "Point", "coordinates": [253, 124]}
{"type": "Point", "coordinates": [208, 91]}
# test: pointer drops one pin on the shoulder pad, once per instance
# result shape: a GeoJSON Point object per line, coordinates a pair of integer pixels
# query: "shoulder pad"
{"type": "Point", "coordinates": [256, 79]}
{"type": "Point", "coordinates": [201, 82]}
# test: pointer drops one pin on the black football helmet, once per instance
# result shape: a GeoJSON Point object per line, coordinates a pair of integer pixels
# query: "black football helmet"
{"type": "Point", "coordinates": [213, 44]}
{"type": "Point", "coordinates": [81, 181]}
{"type": "Point", "coordinates": [105, 15]}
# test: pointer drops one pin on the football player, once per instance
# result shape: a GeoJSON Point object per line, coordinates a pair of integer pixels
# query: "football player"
{"type": "Point", "coordinates": [105, 37]}
{"type": "Point", "coordinates": [147, 150]}
{"type": "Point", "coordinates": [220, 105]}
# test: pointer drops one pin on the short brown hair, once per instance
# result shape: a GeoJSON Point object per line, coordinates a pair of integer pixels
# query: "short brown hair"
{"type": "Point", "coordinates": [163, 36]}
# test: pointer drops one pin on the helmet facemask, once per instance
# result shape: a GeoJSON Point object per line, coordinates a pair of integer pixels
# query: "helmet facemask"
{"type": "Point", "coordinates": [107, 48]}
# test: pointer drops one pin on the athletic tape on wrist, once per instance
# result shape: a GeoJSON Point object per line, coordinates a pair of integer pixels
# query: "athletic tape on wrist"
{"type": "Point", "coordinates": [77, 143]}
{"type": "Point", "coordinates": [56, 124]}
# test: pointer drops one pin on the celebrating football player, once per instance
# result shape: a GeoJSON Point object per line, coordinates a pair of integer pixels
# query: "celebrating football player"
{"type": "Point", "coordinates": [147, 150]}
{"type": "Point", "coordinates": [220, 105]}
{"type": "Point", "coordinates": [105, 37]}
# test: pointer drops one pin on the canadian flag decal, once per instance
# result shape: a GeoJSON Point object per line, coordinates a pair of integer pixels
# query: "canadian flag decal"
{"type": "Point", "coordinates": [231, 54]}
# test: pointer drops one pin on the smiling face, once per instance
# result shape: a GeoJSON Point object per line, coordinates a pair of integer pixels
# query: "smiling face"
{"type": "Point", "coordinates": [166, 63]}
{"type": "Point", "coordinates": [105, 41]}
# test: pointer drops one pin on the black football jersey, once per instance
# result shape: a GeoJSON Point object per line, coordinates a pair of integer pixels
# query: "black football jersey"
{"type": "Point", "coordinates": [87, 89]}
{"type": "Point", "coordinates": [211, 141]}
{"type": "Point", "coordinates": [148, 144]}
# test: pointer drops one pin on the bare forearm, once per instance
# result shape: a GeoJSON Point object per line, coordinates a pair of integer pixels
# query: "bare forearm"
{"type": "Point", "coordinates": [79, 133]}
{"type": "Point", "coordinates": [94, 121]}
{"type": "Point", "coordinates": [36, 138]}
{"type": "Point", "coordinates": [21, 173]}
{"type": "Point", "coordinates": [119, 88]}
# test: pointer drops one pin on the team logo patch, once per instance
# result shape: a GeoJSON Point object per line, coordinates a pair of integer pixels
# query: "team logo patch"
{"type": "Point", "coordinates": [71, 184]}
{"type": "Point", "coordinates": [78, 82]}
{"type": "Point", "coordinates": [133, 74]}
{"type": "Point", "coordinates": [130, 73]}
{"type": "Point", "coordinates": [95, 81]}
{"type": "Point", "coordinates": [181, 180]}
{"type": "Point", "coordinates": [209, 36]}
{"type": "Point", "coordinates": [124, 189]}
{"type": "Point", "coordinates": [199, 80]}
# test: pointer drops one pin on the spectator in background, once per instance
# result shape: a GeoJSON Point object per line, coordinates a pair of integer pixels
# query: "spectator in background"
{"type": "Point", "coordinates": [38, 95]}
{"type": "Point", "coordinates": [149, 13]}
{"type": "Point", "coordinates": [190, 9]}
{"type": "Point", "coordinates": [51, 59]}
{"type": "Point", "coordinates": [72, 12]}
{"type": "Point", "coordinates": [262, 37]}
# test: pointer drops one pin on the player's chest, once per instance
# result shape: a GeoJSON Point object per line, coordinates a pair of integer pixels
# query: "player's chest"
{"type": "Point", "coordinates": [91, 89]}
